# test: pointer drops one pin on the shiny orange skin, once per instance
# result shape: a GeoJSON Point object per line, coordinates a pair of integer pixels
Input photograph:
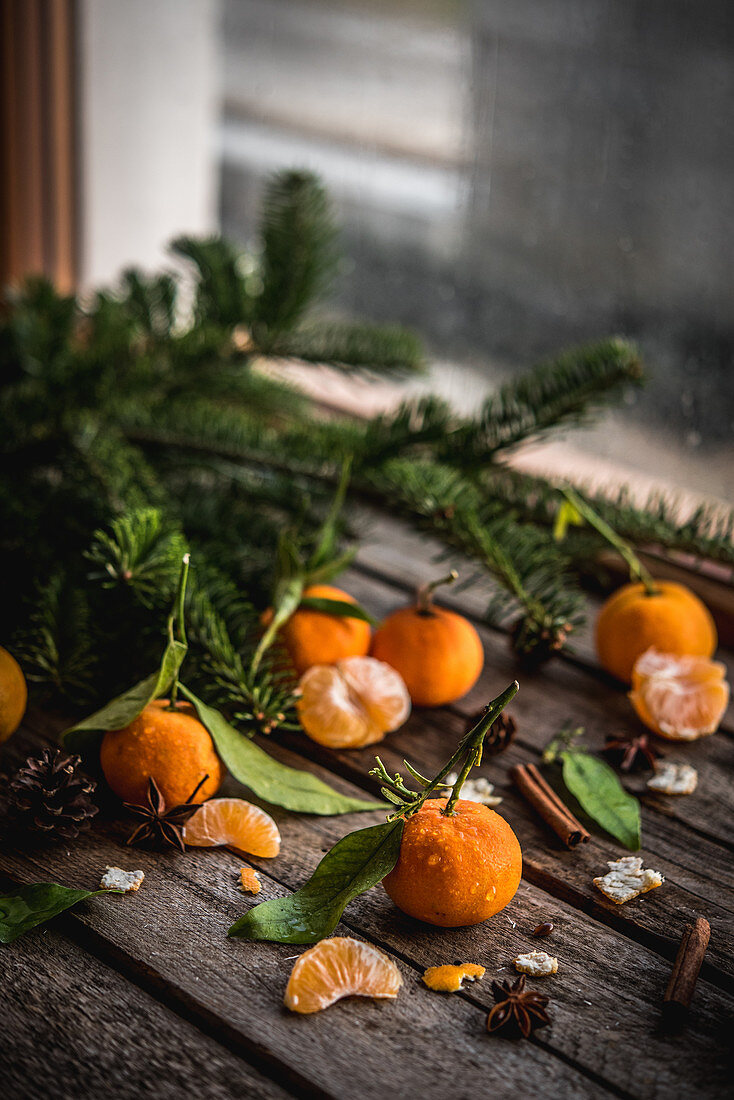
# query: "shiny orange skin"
{"type": "Point", "coordinates": [314, 638]}
{"type": "Point", "coordinates": [13, 694]}
{"type": "Point", "coordinates": [673, 620]}
{"type": "Point", "coordinates": [437, 652]}
{"type": "Point", "coordinates": [455, 871]}
{"type": "Point", "coordinates": [171, 746]}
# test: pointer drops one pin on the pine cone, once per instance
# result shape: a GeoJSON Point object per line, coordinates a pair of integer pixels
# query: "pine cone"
{"type": "Point", "coordinates": [50, 795]}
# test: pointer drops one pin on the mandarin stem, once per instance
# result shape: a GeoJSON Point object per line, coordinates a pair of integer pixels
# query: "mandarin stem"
{"type": "Point", "coordinates": [637, 570]}
{"type": "Point", "coordinates": [424, 594]}
{"type": "Point", "coordinates": [472, 743]}
{"type": "Point", "coordinates": [177, 618]}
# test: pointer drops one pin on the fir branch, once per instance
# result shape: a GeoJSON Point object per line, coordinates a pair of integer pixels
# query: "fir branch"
{"type": "Point", "coordinates": [223, 630]}
{"type": "Point", "coordinates": [298, 253]}
{"type": "Point", "coordinates": [369, 348]}
{"type": "Point", "coordinates": [222, 297]}
{"type": "Point", "coordinates": [141, 553]}
{"type": "Point", "coordinates": [707, 531]}
{"type": "Point", "coordinates": [532, 575]}
{"type": "Point", "coordinates": [57, 649]}
{"type": "Point", "coordinates": [565, 391]}
{"type": "Point", "coordinates": [151, 300]}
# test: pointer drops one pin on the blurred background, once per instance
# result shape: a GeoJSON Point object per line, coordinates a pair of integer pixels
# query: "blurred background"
{"type": "Point", "coordinates": [511, 176]}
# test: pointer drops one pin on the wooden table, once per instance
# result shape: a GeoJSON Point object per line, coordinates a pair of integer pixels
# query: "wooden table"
{"type": "Point", "coordinates": [146, 994]}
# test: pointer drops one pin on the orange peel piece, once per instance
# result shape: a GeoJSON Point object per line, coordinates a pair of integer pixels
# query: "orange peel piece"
{"type": "Point", "coordinates": [448, 979]}
{"type": "Point", "coordinates": [249, 881]}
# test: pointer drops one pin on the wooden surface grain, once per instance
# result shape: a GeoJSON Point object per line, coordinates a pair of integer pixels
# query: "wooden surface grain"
{"type": "Point", "coordinates": [126, 994]}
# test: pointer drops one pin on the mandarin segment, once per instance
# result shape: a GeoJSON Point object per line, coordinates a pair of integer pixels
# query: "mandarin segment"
{"type": "Point", "coordinates": [680, 698]}
{"type": "Point", "coordinates": [170, 746]}
{"type": "Point", "coordinates": [236, 823]}
{"type": "Point", "coordinates": [457, 870]}
{"type": "Point", "coordinates": [352, 703]}
{"type": "Point", "coordinates": [673, 620]}
{"type": "Point", "coordinates": [340, 967]}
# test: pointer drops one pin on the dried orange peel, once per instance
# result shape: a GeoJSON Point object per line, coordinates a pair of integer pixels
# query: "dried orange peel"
{"type": "Point", "coordinates": [448, 979]}
{"type": "Point", "coordinates": [340, 967]}
{"type": "Point", "coordinates": [681, 698]}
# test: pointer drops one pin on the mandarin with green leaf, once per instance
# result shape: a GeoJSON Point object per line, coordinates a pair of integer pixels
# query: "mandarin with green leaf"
{"type": "Point", "coordinates": [458, 869]}
{"type": "Point", "coordinates": [318, 638]}
{"type": "Point", "coordinates": [670, 617]}
{"type": "Point", "coordinates": [171, 746]}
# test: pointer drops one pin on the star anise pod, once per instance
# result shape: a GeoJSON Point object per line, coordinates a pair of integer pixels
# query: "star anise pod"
{"type": "Point", "coordinates": [499, 735]}
{"type": "Point", "coordinates": [518, 1012]}
{"type": "Point", "coordinates": [159, 823]}
{"type": "Point", "coordinates": [633, 752]}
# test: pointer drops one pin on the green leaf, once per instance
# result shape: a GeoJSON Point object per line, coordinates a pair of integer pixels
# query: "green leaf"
{"type": "Point", "coordinates": [596, 786]}
{"type": "Point", "coordinates": [266, 777]}
{"type": "Point", "coordinates": [568, 515]}
{"type": "Point", "coordinates": [330, 569]}
{"type": "Point", "coordinates": [84, 736]}
{"type": "Point", "coordinates": [355, 863]}
{"type": "Point", "coordinates": [33, 905]}
{"type": "Point", "coordinates": [342, 608]}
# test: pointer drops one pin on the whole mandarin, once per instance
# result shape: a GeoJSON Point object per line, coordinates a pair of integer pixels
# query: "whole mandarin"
{"type": "Point", "coordinates": [673, 620]}
{"type": "Point", "coordinates": [13, 694]}
{"type": "Point", "coordinates": [456, 870]}
{"type": "Point", "coordinates": [317, 638]}
{"type": "Point", "coordinates": [172, 746]}
{"type": "Point", "coordinates": [437, 652]}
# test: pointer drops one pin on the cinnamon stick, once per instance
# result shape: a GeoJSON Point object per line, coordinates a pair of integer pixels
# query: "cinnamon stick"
{"type": "Point", "coordinates": [678, 995]}
{"type": "Point", "coordinates": [544, 799]}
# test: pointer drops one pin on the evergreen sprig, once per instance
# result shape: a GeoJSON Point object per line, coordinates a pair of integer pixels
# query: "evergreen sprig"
{"type": "Point", "coordinates": [133, 429]}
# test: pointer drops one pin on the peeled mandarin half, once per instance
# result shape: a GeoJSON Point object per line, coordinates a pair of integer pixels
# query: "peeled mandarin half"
{"type": "Point", "coordinates": [340, 967]}
{"type": "Point", "coordinates": [681, 698]}
{"type": "Point", "coordinates": [352, 703]}
{"type": "Point", "coordinates": [236, 823]}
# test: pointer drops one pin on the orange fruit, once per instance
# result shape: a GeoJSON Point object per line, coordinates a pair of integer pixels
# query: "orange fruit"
{"type": "Point", "coordinates": [172, 746]}
{"type": "Point", "coordinates": [315, 638]}
{"type": "Point", "coordinates": [340, 967]}
{"type": "Point", "coordinates": [437, 652]}
{"type": "Point", "coordinates": [233, 822]}
{"type": "Point", "coordinates": [672, 620]}
{"type": "Point", "coordinates": [457, 870]}
{"type": "Point", "coordinates": [13, 694]}
{"type": "Point", "coordinates": [352, 703]}
{"type": "Point", "coordinates": [681, 698]}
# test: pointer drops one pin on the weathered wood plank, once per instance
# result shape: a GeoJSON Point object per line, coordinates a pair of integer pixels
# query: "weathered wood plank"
{"type": "Point", "coordinates": [72, 1026]}
{"type": "Point", "coordinates": [399, 556]}
{"type": "Point", "coordinates": [605, 969]}
{"type": "Point", "coordinates": [560, 694]}
{"type": "Point", "coordinates": [171, 935]}
{"type": "Point", "coordinates": [657, 920]}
